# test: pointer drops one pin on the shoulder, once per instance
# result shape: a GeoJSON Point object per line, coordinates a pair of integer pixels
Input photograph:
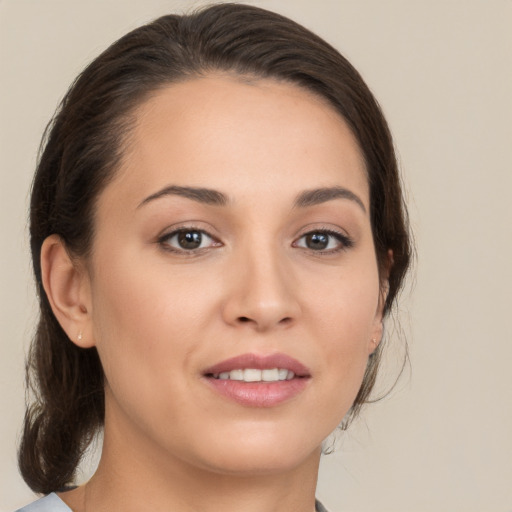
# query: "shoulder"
{"type": "Point", "coordinates": [50, 503]}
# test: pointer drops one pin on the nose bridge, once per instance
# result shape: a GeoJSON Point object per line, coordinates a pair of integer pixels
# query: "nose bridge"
{"type": "Point", "coordinates": [263, 288]}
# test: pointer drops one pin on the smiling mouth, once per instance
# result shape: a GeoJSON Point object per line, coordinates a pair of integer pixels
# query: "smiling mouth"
{"type": "Point", "coordinates": [255, 375]}
{"type": "Point", "coordinates": [258, 381]}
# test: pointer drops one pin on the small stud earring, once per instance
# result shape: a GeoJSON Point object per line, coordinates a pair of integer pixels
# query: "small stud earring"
{"type": "Point", "coordinates": [374, 341]}
{"type": "Point", "coordinates": [79, 337]}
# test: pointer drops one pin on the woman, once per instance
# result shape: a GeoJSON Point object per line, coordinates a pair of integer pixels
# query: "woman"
{"type": "Point", "coordinates": [218, 233]}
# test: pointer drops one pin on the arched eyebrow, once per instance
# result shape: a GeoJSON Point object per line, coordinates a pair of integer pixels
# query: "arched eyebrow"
{"type": "Point", "coordinates": [201, 195]}
{"type": "Point", "coordinates": [322, 195]}
{"type": "Point", "coordinates": [215, 198]}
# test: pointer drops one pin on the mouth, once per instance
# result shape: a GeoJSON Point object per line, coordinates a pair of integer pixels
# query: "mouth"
{"type": "Point", "coordinates": [258, 381]}
{"type": "Point", "coordinates": [255, 375]}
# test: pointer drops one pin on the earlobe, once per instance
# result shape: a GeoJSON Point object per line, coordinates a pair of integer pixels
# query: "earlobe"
{"type": "Point", "coordinates": [373, 346]}
{"type": "Point", "coordinates": [67, 288]}
{"type": "Point", "coordinates": [378, 330]}
{"type": "Point", "coordinates": [378, 326]}
{"type": "Point", "coordinates": [377, 334]}
{"type": "Point", "coordinates": [376, 339]}
{"type": "Point", "coordinates": [384, 285]}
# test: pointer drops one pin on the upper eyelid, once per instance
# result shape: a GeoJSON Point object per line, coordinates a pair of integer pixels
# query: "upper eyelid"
{"type": "Point", "coordinates": [334, 234]}
{"type": "Point", "coordinates": [321, 225]}
{"type": "Point", "coordinates": [170, 233]}
{"type": "Point", "coordinates": [187, 226]}
{"type": "Point", "coordinates": [322, 228]}
{"type": "Point", "coordinates": [174, 232]}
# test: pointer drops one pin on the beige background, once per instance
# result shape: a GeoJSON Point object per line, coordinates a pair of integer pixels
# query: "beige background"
{"type": "Point", "coordinates": [442, 71]}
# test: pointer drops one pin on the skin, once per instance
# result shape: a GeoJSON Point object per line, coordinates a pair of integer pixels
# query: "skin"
{"type": "Point", "coordinates": [159, 315]}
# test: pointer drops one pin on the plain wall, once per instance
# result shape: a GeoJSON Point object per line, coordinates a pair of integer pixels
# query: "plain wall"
{"type": "Point", "coordinates": [442, 70]}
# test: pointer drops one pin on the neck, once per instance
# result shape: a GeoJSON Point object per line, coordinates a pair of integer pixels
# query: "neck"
{"type": "Point", "coordinates": [134, 476]}
{"type": "Point", "coordinates": [194, 491]}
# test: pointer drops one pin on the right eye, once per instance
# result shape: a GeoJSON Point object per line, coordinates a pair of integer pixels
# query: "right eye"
{"type": "Point", "coordinates": [187, 240]}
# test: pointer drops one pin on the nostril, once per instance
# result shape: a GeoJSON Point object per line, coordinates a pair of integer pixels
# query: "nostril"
{"type": "Point", "coordinates": [244, 319]}
{"type": "Point", "coordinates": [264, 322]}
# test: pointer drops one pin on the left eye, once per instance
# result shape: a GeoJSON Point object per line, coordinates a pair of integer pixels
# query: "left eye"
{"type": "Point", "coordinates": [323, 241]}
{"type": "Point", "coordinates": [187, 240]}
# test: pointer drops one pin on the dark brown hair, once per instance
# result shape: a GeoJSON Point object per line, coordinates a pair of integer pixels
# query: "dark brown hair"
{"type": "Point", "coordinates": [81, 151]}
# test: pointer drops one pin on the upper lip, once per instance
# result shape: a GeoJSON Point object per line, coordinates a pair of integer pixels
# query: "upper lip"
{"type": "Point", "coordinates": [259, 362]}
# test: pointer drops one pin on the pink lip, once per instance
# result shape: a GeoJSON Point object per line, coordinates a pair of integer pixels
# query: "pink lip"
{"type": "Point", "coordinates": [260, 363]}
{"type": "Point", "coordinates": [259, 394]}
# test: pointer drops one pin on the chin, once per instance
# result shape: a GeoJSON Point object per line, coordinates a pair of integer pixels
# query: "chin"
{"type": "Point", "coordinates": [263, 464]}
{"type": "Point", "coordinates": [260, 455]}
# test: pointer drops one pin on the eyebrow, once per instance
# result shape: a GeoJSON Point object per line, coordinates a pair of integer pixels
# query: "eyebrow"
{"type": "Point", "coordinates": [214, 197]}
{"type": "Point", "coordinates": [322, 195]}
{"type": "Point", "coordinates": [201, 195]}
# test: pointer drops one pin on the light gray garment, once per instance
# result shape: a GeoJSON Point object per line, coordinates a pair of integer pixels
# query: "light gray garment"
{"type": "Point", "coordinates": [52, 503]}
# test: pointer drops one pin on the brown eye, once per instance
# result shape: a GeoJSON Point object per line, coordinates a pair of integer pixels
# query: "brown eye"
{"type": "Point", "coordinates": [324, 241]}
{"type": "Point", "coordinates": [187, 240]}
{"type": "Point", "coordinates": [317, 241]}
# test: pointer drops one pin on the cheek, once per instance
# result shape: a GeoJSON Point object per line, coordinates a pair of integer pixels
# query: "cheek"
{"type": "Point", "coordinates": [141, 331]}
{"type": "Point", "coordinates": [130, 321]}
{"type": "Point", "coordinates": [345, 314]}
{"type": "Point", "coordinates": [345, 306]}
{"type": "Point", "coordinates": [147, 319]}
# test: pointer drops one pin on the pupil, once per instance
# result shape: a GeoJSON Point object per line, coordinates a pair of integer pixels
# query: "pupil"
{"type": "Point", "coordinates": [317, 241]}
{"type": "Point", "coordinates": [189, 239]}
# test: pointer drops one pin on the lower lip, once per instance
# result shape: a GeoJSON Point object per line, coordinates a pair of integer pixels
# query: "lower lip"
{"type": "Point", "coordinates": [259, 394]}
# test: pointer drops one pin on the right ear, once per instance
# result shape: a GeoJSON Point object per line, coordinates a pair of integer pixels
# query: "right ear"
{"type": "Point", "coordinates": [67, 287]}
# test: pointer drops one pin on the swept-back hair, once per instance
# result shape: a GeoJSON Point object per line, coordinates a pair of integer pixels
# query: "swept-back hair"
{"type": "Point", "coordinates": [82, 150]}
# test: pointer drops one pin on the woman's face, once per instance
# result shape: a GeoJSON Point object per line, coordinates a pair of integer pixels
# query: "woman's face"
{"type": "Point", "coordinates": [234, 243]}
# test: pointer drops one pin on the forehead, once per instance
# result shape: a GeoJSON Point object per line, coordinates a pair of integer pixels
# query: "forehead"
{"type": "Point", "coordinates": [240, 136]}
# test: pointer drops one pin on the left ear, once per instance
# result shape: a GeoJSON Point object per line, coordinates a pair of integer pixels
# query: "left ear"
{"type": "Point", "coordinates": [378, 325]}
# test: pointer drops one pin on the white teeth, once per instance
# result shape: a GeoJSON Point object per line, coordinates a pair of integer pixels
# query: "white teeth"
{"type": "Point", "coordinates": [255, 375]}
{"type": "Point", "coordinates": [252, 375]}
{"type": "Point", "coordinates": [236, 375]}
{"type": "Point", "coordinates": [282, 373]}
{"type": "Point", "coordinates": [270, 375]}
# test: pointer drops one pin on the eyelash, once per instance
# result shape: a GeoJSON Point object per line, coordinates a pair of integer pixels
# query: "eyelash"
{"type": "Point", "coordinates": [164, 241]}
{"type": "Point", "coordinates": [344, 241]}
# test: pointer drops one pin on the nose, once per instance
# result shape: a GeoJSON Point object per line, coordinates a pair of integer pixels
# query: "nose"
{"type": "Point", "coordinates": [261, 293]}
